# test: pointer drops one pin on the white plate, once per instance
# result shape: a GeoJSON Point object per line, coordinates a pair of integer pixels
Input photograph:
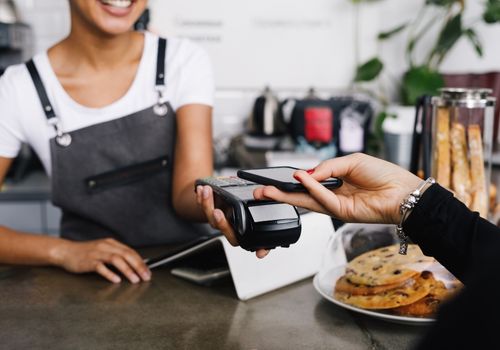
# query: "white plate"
{"type": "Point", "coordinates": [324, 283]}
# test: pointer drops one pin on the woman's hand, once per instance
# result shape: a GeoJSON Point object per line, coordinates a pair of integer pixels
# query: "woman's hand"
{"type": "Point", "coordinates": [372, 191]}
{"type": "Point", "coordinates": [217, 219]}
{"type": "Point", "coordinates": [94, 256]}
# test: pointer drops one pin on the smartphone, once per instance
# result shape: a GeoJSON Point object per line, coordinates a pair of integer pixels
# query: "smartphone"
{"type": "Point", "coordinates": [282, 178]}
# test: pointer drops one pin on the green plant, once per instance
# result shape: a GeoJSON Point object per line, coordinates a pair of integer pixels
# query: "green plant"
{"type": "Point", "coordinates": [422, 76]}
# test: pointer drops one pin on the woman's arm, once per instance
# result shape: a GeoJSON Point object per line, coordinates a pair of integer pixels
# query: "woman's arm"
{"type": "Point", "coordinates": [78, 257]}
{"type": "Point", "coordinates": [372, 192]}
{"type": "Point", "coordinates": [19, 248]}
{"type": "Point", "coordinates": [193, 158]}
{"type": "Point", "coordinates": [447, 230]}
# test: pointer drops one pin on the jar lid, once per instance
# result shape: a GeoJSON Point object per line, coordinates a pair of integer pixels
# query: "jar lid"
{"type": "Point", "coordinates": [465, 97]}
{"type": "Point", "coordinates": [465, 93]}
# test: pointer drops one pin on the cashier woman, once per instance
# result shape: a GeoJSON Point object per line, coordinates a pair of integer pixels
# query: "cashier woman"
{"type": "Point", "coordinates": [121, 121]}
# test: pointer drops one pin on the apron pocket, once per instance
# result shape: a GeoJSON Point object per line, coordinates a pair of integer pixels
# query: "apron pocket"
{"type": "Point", "coordinates": [126, 175]}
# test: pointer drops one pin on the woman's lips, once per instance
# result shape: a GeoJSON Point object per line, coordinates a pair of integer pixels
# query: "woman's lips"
{"type": "Point", "coordinates": [117, 8]}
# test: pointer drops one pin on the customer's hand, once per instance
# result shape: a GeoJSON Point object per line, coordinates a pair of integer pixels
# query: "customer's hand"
{"type": "Point", "coordinates": [96, 256]}
{"type": "Point", "coordinates": [217, 219]}
{"type": "Point", "coordinates": [372, 191]}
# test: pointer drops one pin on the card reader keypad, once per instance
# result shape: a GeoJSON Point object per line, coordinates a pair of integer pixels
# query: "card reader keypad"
{"type": "Point", "coordinates": [224, 181]}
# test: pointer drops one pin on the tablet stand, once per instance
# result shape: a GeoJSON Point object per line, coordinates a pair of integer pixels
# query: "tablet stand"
{"type": "Point", "coordinates": [283, 266]}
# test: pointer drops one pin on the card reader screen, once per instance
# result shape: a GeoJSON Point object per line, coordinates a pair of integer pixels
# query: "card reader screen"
{"type": "Point", "coordinates": [271, 212]}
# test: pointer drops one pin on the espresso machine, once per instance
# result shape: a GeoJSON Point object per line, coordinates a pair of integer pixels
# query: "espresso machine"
{"type": "Point", "coordinates": [16, 42]}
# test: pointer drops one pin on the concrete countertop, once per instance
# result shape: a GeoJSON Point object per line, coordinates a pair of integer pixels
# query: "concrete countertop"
{"type": "Point", "coordinates": [47, 308]}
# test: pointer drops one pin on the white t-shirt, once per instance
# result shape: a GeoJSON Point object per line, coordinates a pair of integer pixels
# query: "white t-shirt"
{"type": "Point", "coordinates": [189, 80]}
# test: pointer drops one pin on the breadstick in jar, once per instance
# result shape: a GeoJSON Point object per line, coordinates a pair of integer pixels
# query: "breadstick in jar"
{"type": "Point", "coordinates": [460, 178]}
{"type": "Point", "coordinates": [478, 179]}
{"type": "Point", "coordinates": [442, 154]}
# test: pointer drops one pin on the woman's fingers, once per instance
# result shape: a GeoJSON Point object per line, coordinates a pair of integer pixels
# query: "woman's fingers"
{"type": "Point", "coordinates": [137, 263]}
{"type": "Point", "coordinates": [326, 198]}
{"type": "Point", "coordinates": [207, 203]}
{"type": "Point", "coordinates": [199, 192]}
{"type": "Point", "coordinates": [337, 167]}
{"type": "Point", "coordinates": [120, 263]}
{"type": "Point", "coordinates": [262, 253]}
{"type": "Point", "coordinates": [130, 256]}
{"type": "Point", "coordinates": [102, 270]}
{"type": "Point", "coordinates": [303, 200]}
{"type": "Point", "coordinates": [214, 216]}
{"type": "Point", "coordinates": [223, 225]}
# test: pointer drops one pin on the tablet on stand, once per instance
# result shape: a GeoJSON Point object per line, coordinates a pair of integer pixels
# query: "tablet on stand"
{"type": "Point", "coordinates": [211, 258]}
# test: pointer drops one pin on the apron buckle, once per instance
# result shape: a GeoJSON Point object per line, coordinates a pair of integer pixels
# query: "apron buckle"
{"type": "Point", "coordinates": [161, 108]}
{"type": "Point", "coordinates": [62, 139]}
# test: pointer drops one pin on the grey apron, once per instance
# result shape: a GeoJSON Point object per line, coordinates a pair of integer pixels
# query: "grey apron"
{"type": "Point", "coordinates": [114, 179]}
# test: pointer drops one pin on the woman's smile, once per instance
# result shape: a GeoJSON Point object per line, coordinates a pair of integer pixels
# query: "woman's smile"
{"type": "Point", "coordinates": [117, 7]}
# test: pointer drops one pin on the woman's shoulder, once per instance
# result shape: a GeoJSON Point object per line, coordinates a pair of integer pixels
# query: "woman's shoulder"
{"type": "Point", "coordinates": [16, 77]}
{"type": "Point", "coordinates": [13, 75]}
{"type": "Point", "coordinates": [181, 49]}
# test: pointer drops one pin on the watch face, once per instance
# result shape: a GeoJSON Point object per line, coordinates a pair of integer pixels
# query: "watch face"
{"type": "Point", "coordinates": [272, 212]}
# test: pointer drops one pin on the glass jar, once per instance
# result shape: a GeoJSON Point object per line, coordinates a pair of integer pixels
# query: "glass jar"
{"type": "Point", "coordinates": [462, 144]}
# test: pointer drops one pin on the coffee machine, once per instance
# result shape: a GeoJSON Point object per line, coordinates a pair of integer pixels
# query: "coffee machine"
{"type": "Point", "coordinates": [16, 42]}
{"type": "Point", "coordinates": [16, 46]}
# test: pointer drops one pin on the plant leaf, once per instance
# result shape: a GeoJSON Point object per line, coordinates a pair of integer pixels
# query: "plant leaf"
{"type": "Point", "coordinates": [492, 12]}
{"type": "Point", "coordinates": [411, 45]}
{"type": "Point", "coordinates": [419, 81]}
{"type": "Point", "coordinates": [441, 2]}
{"type": "Point", "coordinates": [369, 70]}
{"type": "Point", "coordinates": [379, 121]}
{"type": "Point", "coordinates": [390, 33]}
{"type": "Point", "coordinates": [474, 40]}
{"type": "Point", "coordinates": [450, 34]}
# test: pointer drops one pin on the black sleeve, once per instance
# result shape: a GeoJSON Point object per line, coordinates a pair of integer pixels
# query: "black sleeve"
{"type": "Point", "coordinates": [447, 230]}
{"type": "Point", "coordinates": [468, 246]}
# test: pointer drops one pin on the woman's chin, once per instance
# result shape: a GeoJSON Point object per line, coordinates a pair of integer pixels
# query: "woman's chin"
{"type": "Point", "coordinates": [114, 27]}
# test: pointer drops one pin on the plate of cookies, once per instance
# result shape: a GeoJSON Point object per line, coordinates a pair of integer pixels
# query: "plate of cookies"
{"type": "Point", "coordinates": [406, 289]}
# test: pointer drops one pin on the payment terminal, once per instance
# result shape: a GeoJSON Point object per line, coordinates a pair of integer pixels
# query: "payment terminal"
{"type": "Point", "coordinates": [257, 224]}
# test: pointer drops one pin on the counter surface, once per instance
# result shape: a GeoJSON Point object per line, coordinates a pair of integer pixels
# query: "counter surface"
{"type": "Point", "coordinates": [47, 308]}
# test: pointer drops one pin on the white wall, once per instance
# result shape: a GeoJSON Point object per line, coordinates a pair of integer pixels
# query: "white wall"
{"type": "Point", "coordinates": [287, 44]}
{"type": "Point", "coordinates": [462, 58]}
{"type": "Point", "coordinates": [48, 18]}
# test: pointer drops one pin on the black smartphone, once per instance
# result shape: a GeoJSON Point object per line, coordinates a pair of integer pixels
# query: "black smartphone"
{"type": "Point", "coordinates": [282, 178]}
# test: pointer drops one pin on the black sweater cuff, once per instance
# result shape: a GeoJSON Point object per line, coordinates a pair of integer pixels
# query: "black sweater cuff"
{"type": "Point", "coordinates": [433, 225]}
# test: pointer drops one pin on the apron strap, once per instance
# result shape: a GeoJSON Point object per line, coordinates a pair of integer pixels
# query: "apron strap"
{"type": "Point", "coordinates": [161, 108]}
{"type": "Point", "coordinates": [160, 63]}
{"type": "Point", "coordinates": [40, 89]}
{"type": "Point", "coordinates": [63, 139]}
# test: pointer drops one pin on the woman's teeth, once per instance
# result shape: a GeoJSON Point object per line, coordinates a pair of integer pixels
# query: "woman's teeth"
{"type": "Point", "coordinates": [117, 3]}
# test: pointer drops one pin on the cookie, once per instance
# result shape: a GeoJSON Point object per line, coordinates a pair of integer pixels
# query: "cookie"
{"type": "Point", "coordinates": [385, 266]}
{"type": "Point", "coordinates": [343, 285]}
{"type": "Point", "coordinates": [428, 306]}
{"type": "Point", "coordinates": [414, 289]}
